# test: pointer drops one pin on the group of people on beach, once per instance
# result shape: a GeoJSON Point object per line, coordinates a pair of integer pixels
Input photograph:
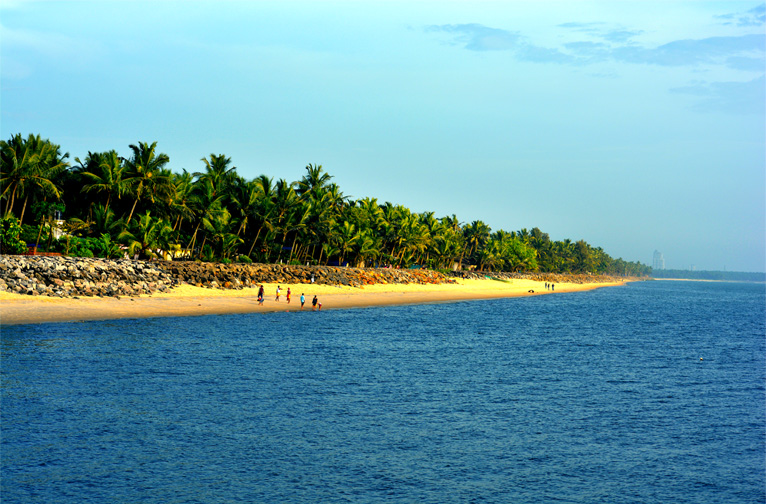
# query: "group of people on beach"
{"type": "Point", "coordinates": [550, 286]}
{"type": "Point", "coordinates": [315, 304]}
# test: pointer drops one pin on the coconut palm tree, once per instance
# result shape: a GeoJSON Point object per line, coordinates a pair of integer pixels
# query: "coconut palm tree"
{"type": "Point", "coordinates": [219, 229]}
{"type": "Point", "coordinates": [263, 211]}
{"type": "Point", "coordinates": [314, 181]}
{"type": "Point", "coordinates": [144, 175]}
{"type": "Point", "coordinates": [183, 194]}
{"type": "Point", "coordinates": [17, 161]}
{"type": "Point", "coordinates": [146, 235]}
{"type": "Point", "coordinates": [365, 247]}
{"type": "Point", "coordinates": [206, 207]}
{"type": "Point", "coordinates": [219, 172]}
{"type": "Point", "coordinates": [476, 235]}
{"type": "Point", "coordinates": [245, 198]}
{"type": "Point", "coordinates": [104, 221]}
{"type": "Point", "coordinates": [285, 200]}
{"type": "Point", "coordinates": [296, 224]}
{"type": "Point", "coordinates": [29, 166]}
{"type": "Point", "coordinates": [344, 238]}
{"type": "Point", "coordinates": [102, 174]}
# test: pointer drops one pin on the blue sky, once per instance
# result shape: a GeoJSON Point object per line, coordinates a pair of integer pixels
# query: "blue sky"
{"type": "Point", "coordinates": [633, 125]}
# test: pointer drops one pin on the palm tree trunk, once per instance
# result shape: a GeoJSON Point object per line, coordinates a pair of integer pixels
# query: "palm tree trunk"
{"type": "Point", "coordinates": [11, 200]}
{"type": "Point", "coordinates": [194, 238]}
{"type": "Point", "coordinates": [23, 209]}
{"type": "Point", "coordinates": [284, 237]}
{"type": "Point", "coordinates": [39, 233]}
{"type": "Point", "coordinates": [50, 238]}
{"type": "Point", "coordinates": [131, 213]}
{"type": "Point", "coordinates": [292, 249]}
{"type": "Point", "coordinates": [201, 247]}
{"type": "Point", "coordinates": [255, 240]}
{"type": "Point", "coordinates": [241, 227]}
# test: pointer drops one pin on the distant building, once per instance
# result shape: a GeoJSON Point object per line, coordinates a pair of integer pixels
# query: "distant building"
{"type": "Point", "coordinates": [658, 262]}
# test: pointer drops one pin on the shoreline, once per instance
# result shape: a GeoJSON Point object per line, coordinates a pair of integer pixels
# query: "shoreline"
{"type": "Point", "coordinates": [187, 300]}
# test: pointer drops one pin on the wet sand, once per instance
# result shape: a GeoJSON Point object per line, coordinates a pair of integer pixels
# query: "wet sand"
{"type": "Point", "coordinates": [189, 301]}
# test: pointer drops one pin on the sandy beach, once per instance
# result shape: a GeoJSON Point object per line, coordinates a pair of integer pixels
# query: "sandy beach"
{"type": "Point", "coordinates": [188, 300]}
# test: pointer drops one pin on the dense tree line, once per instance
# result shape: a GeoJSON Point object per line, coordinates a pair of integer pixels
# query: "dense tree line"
{"type": "Point", "coordinates": [113, 202]}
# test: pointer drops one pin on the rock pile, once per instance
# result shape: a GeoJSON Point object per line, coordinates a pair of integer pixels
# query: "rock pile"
{"type": "Point", "coordinates": [73, 276]}
{"type": "Point", "coordinates": [236, 276]}
{"type": "Point", "coordinates": [76, 276]}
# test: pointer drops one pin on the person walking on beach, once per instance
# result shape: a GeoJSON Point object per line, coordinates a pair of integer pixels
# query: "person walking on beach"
{"type": "Point", "coordinates": [314, 303]}
{"type": "Point", "coordinates": [260, 295]}
{"type": "Point", "coordinates": [288, 295]}
{"type": "Point", "coordinates": [277, 292]}
{"type": "Point", "coordinates": [303, 300]}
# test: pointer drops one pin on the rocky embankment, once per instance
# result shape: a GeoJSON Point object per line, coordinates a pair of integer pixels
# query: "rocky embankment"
{"type": "Point", "coordinates": [234, 276]}
{"type": "Point", "coordinates": [75, 276]}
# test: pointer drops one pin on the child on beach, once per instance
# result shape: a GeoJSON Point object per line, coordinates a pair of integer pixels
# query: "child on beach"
{"type": "Point", "coordinates": [288, 295]}
{"type": "Point", "coordinates": [260, 295]}
{"type": "Point", "coordinates": [277, 292]}
{"type": "Point", "coordinates": [303, 300]}
{"type": "Point", "coordinates": [314, 303]}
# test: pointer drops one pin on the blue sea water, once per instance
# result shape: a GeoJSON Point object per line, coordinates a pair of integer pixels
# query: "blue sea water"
{"type": "Point", "coordinates": [648, 393]}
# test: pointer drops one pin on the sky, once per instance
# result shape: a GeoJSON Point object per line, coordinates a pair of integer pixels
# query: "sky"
{"type": "Point", "coordinates": [636, 126]}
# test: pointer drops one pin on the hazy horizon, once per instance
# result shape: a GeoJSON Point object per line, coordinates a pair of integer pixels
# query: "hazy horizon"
{"type": "Point", "coordinates": [636, 126]}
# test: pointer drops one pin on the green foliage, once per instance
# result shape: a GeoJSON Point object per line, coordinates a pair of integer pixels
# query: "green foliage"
{"type": "Point", "coordinates": [207, 254]}
{"type": "Point", "coordinates": [215, 214]}
{"type": "Point", "coordinates": [106, 248]}
{"type": "Point", "coordinates": [10, 237]}
{"type": "Point", "coordinates": [47, 209]}
{"type": "Point", "coordinates": [75, 246]}
{"type": "Point", "coordinates": [146, 236]}
{"type": "Point", "coordinates": [28, 233]}
{"type": "Point", "coordinates": [82, 247]}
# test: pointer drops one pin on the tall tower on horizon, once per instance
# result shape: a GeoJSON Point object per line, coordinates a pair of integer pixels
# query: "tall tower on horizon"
{"type": "Point", "coordinates": [658, 262]}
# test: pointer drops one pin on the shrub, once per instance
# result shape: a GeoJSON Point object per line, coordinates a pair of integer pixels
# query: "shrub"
{"type": "Point", "coordinates": [82, 247]}
{"type": "Point", "coordinates": [105, 247]}
{"type": "Point", "coordinates": [29, 233]}
{"type": "Point", "coordinates": [78, 247]}
{"type": "Point", "coordinates": [245, 259]}
{"type": "Point", "coordinates": [10, 237]}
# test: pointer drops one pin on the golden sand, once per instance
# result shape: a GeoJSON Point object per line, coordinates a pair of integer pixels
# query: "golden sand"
{"type": "Point", "coordinates": [187, 300]}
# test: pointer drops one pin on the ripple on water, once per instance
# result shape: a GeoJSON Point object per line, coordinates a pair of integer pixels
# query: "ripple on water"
{"type": "Point", "coordinates": [598, 396]}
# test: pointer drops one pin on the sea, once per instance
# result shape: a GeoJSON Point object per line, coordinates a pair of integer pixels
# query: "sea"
{"type": "Point", "coordinates": [652, 392]}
